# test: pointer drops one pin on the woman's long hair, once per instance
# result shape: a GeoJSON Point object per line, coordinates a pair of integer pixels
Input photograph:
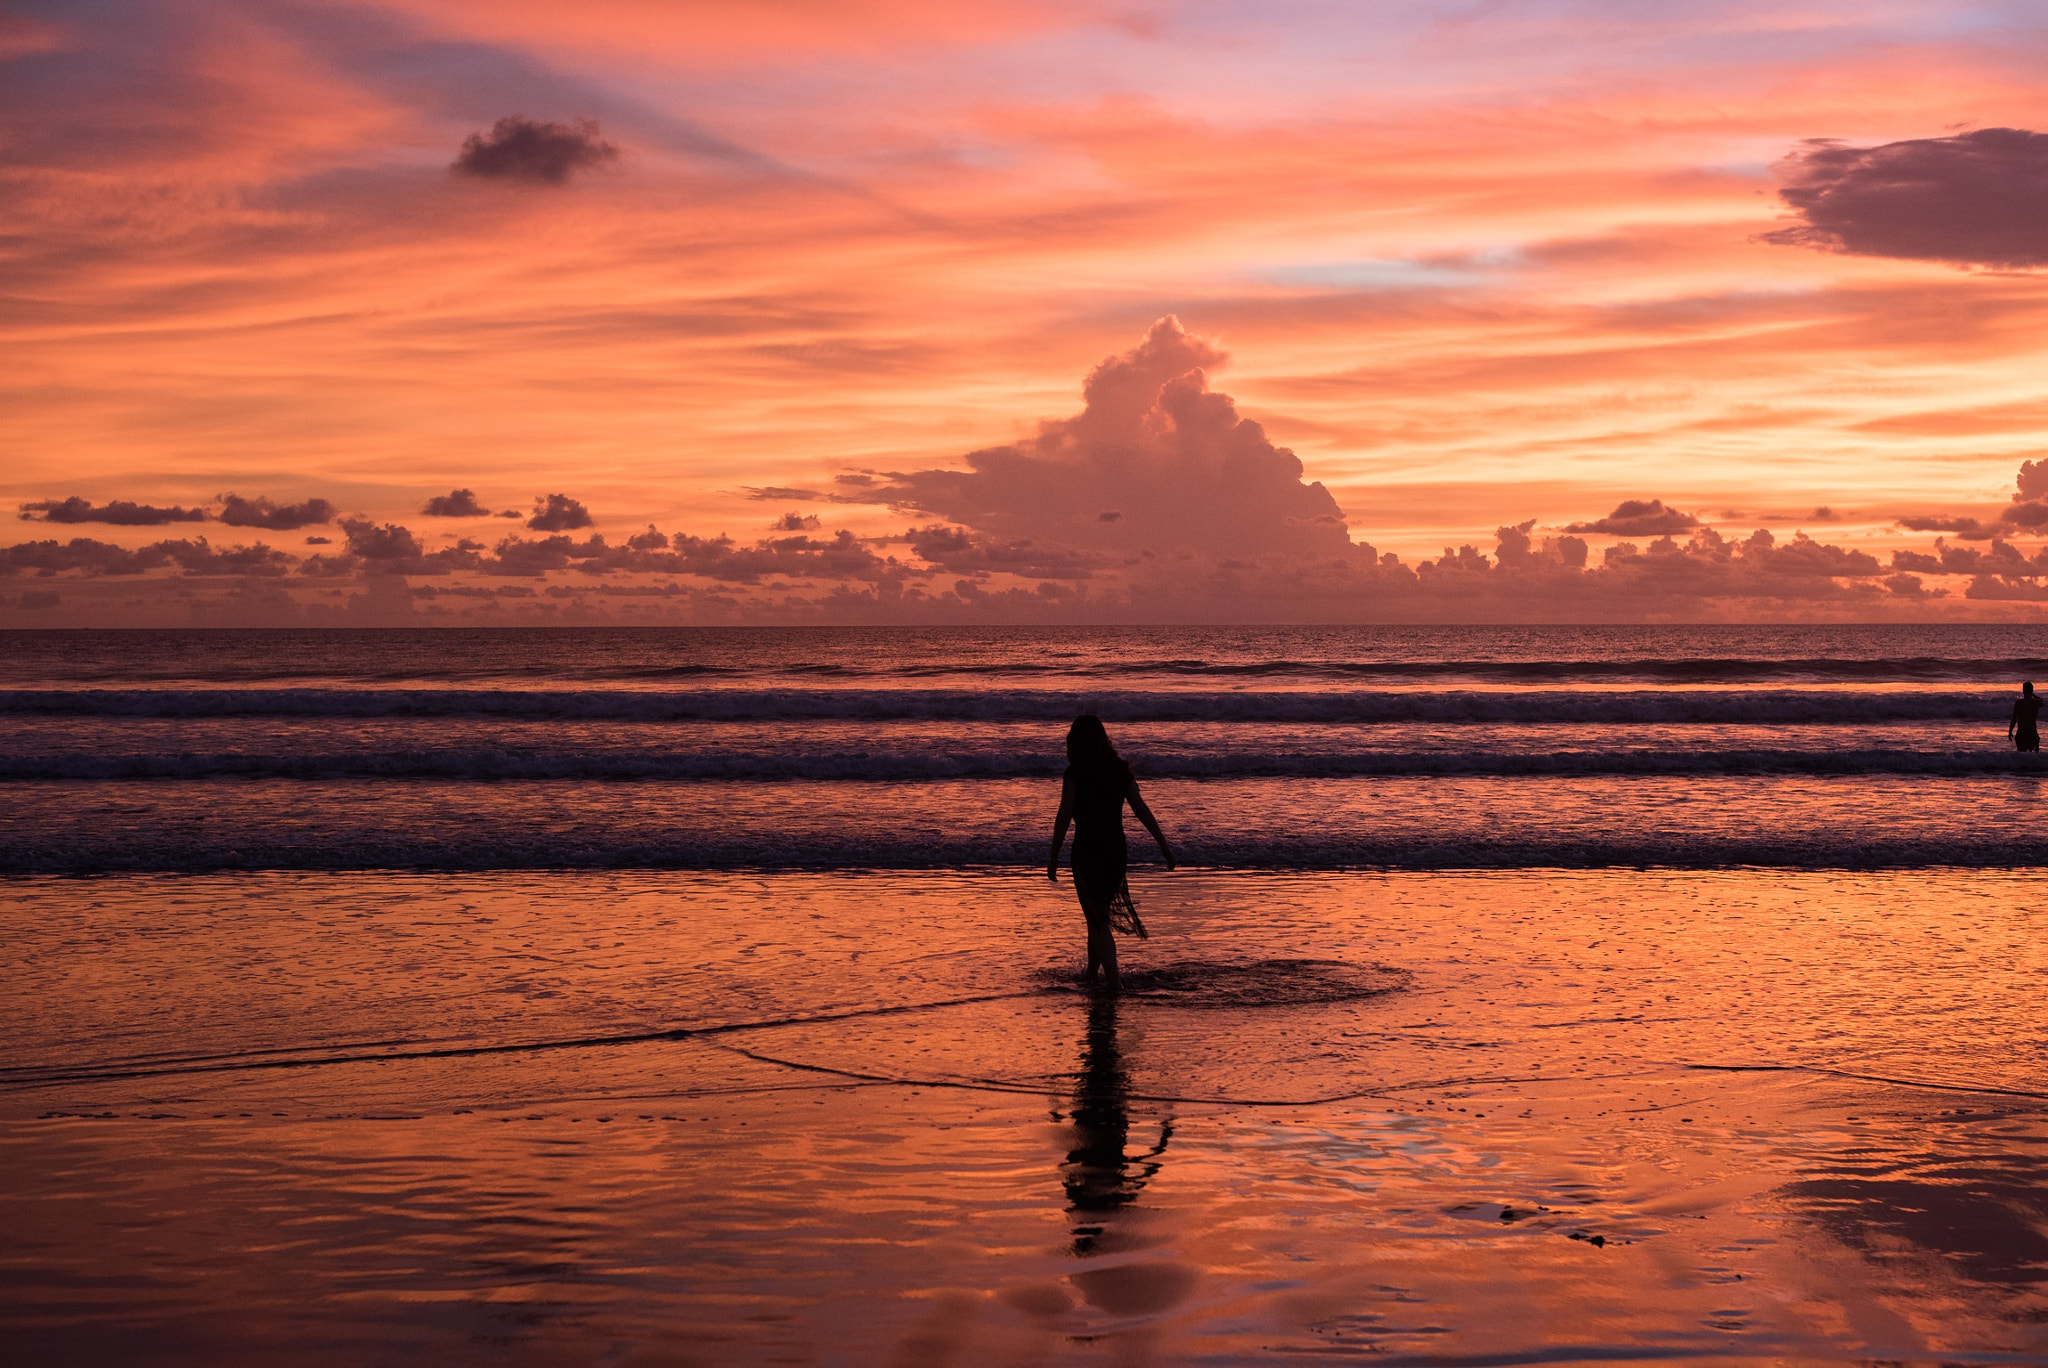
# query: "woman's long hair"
{"type": "Point", "coordinates": [1088, 745]}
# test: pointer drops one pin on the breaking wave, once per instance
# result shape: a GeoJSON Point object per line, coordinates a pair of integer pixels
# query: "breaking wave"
{"type": "Point", "coordinates": [1620, 706]}
{"type": "Point", "coordinates": [911, 765]}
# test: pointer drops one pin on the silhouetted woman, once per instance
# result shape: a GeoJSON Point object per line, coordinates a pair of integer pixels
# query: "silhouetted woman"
{"type": "Point", "coordinates": [2026, 714]}
{"type": "Point", "coordinates": [1093, 792]}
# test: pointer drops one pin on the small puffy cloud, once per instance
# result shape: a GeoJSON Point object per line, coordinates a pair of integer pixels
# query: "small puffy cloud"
{"type": "Point", "coordinates": [81, 555]}
{"type": "Point", "coordinates": [1920, 561]}
{"type": "Point", "coordinates": [118, 512]}
{"type": "Point", "coordinates": [390, 549]}
{"type": "Point", "coordinates": [796, 522]}
{"type": "Point", "coordinates": [456, 503]}
{"type": "Point", "coordinates": [1639, 518]}
{"type": "Point", "coordinates": [558, 513]}
{"type": "Point", "coordinates": [1152, 443]}
{"type": "Point", "coordinates": [843, 556]}
{"type": "Point", "coordinates": [1970, 529]}
{"type": "Point", "coordinates": [85, 556]}
{"type": "Point", "coordinates": [2029, 507]}
{"type": "Point", "coordinates": [959, 552]}
{"type": "Point", "coordinates": [199, 557]}
{"type": "Point", "coordinates": [389, 542]}
{"type": "Point", "coordinates": [1998, 587]}
{"type": "Point", "coordinates": [2032, 483]}
{"type": "Point", "coordinates": [1975, 199]}
{"type": "Point", "coordinates": [237, 511]}
{"type": "Point", "coordinates": [519, 148]}
{"type": "Point", "coordinates": [1909, 587]}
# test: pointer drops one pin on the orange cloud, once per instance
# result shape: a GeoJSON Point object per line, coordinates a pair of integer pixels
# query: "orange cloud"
{"type": "Point", "coordinates": [1516, 274]}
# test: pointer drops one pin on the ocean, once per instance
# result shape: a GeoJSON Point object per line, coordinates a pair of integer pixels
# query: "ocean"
{"type": "Point", "coordinates": [658, 998]}
{"type": "Point", "coordinates": [1310, 748]}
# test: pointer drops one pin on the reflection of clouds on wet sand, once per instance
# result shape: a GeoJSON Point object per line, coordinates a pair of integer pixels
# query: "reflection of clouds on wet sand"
{"type": "Point", "coordinates": [1946, 1215]}
{"type": "Point", "coordinates": [1508, 1159]}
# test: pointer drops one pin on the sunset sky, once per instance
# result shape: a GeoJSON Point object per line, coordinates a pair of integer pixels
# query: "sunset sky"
{"type": "Point", "coordinates": [770, 272]}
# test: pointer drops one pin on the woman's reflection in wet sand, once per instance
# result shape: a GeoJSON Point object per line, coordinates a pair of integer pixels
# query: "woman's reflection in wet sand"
{"type": "Point", "coordinates": [1099, 1177]}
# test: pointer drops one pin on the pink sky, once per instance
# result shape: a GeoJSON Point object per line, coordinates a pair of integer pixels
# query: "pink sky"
{"type": "Point", "coordinates": [1474, 266]}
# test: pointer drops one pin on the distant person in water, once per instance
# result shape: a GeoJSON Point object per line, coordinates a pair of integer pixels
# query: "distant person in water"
{"type": "Point", "coordinates": [1093, 792]}
{"type": "Point", "coordinates": [2026, 713]}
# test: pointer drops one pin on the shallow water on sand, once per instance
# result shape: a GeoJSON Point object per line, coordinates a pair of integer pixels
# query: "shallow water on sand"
{"type": "Point", "coordinates": [848, 1118]}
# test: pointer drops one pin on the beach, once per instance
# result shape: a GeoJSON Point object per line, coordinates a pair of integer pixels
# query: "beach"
{"type": "Point", "coordinates": [713, 1118]}
{"type": "Point", "coordinates": [1529, 996]}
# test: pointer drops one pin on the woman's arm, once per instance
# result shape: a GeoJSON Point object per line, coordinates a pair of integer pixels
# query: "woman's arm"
{"type": "Point", "coordinates": [1137, 801]}
{"type": "Point", "coordinates": [1059, 832]}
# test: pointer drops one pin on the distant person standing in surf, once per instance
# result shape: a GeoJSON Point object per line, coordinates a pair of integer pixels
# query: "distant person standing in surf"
{"type": "Point", "coordinates": [1093, 792]}
{"type": "Point", "coordinates": [2023, 730]}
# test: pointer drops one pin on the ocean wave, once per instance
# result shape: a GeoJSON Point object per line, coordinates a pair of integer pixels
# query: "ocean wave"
{"type": "Point", "coordinates": [512, 846]}
{"type": "Point", "coordinates": [1619, 706]}
{"type": "Point", "coordinates": [1817, 669]}
{"type": "Point", "coordinates": [1420, 821]}
{"type": "Point", "coordinates": [869, 766]}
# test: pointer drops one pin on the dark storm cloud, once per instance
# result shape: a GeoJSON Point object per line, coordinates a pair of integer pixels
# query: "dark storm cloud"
{"type": "Point", "coordinates": [1975, 199]}
{"type": "Point", "coordinates": [558, 513]}
{"type": "Point", "coordinates": [118, 512]}
{"type": "Point", "coordinates": [237, 511]}
{"type": "Point", "coordinates": [456, 503]}
{"type": "Point", "coordinates": [519, 148]}
{"type": "Point", "coordinates": [1639, 518]}
{"type": "Point", "coordinates": [1153, 443]}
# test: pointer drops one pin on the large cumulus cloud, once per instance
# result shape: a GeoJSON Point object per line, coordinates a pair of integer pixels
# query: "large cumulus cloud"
{"type": "Point", "coordinates": [1976, 199]}
{"type": "Point", "coordinates": [1155, 461]}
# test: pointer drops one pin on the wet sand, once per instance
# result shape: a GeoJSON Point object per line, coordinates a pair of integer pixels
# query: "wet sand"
{"type": "Point", "coordinates": [855, 1118]}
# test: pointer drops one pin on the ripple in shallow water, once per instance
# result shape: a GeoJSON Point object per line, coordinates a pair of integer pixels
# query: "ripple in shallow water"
{"type": "Point", "coordinates": [1262, 983]}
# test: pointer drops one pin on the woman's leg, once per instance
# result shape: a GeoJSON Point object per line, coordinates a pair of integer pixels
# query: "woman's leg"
{"type": "Point", "coordinates": [1102, 949]}
{"type": "Point", "coordinates": [1101, 940]}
